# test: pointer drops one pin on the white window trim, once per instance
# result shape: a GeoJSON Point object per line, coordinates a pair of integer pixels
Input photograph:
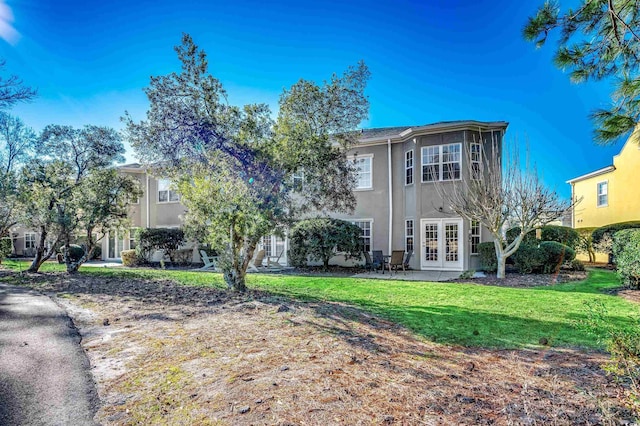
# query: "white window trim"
{"type": "Point", "coordinates": [25, 240]}
{"type": "Point", "coordinates": [169, 190]}
{"type": "Point", "coordinates": [471, 235]}
{"type": "Point", "coordinates": [598, 194]}
{"type": "Point", "coordinates": [440, 163]}
{"type": "Point", "coordinates": [413, 236]}
{"type": "Point", "coordinates": [370, 220]}
{"type": "Point", "coordinates": [352, 158]}
{"type": "Point", "coordinates": [413, 166]}
{"type": "Point", "coordinates": [478, 161]}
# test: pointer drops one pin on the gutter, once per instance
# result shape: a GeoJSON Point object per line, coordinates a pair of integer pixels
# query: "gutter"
{"type": "Point", "coordinates": [390, 197]}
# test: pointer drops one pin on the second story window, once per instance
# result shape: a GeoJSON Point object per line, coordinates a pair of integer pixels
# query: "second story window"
{"type": "Point", "coordinates": [475, 156]}
{"type": "Point", "coordinates": [165, 194]}
{"type": "Point", "coordinates": [364, 172]}
{"type": "Point", "coordinates": [603, 194]}
{"type": "Point", "coordinates": [408, 166]}
{"type": "Point", "coordinates": [441, 162]}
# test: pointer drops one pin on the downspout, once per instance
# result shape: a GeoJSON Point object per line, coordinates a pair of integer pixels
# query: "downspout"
{"type": "Point", "coordinates": [146, 173]}
{"type": "Point", "coordinates": [390, 197]}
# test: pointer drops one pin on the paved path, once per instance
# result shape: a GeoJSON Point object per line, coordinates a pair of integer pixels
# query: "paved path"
{"type": "Point", "coordinates": [44, 374]}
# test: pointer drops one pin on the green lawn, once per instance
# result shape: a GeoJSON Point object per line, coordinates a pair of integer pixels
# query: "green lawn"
{"type": "Point", "coordinates": [465, 314]}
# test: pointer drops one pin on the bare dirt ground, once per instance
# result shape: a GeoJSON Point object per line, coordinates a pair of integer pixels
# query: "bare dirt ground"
{"type": "Point", "coordinates": [166, 354]}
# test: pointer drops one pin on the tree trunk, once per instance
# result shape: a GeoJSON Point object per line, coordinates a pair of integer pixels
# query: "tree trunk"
{"type": "Point", "coordinates": [502, 265]}
{"type": "Point", "coordinates": [235, 279]}
{"type": "Point", "coordinates": [325, 263]}
{"type": "Point", "coordinates": [41, 253]}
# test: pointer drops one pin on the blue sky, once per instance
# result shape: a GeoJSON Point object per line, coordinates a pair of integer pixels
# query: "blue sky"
{"type": "Point", "coordinates": [430, 61]}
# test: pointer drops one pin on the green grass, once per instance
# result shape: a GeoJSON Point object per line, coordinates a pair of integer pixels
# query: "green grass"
{"type": "Point", "coordinates": [464, 314]}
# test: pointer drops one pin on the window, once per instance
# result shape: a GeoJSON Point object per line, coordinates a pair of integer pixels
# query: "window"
{"type": "Point", "coordinates": [132, 238]}
{"type": "Point", "coordinates": [298, 180]}
{"type": "Point", "coordinates": [603, 194]}
{"type": "Point", "coordinates": [475, 154]}
{"type": "Point", "coordinates": [29, 240]}
{"type": "Point", "coordinates": [408, 235]}
{"type": "Point", "coordinates": [408, 167]}
{"type": "Point", "coordinates": [440, 163]}
{"type": "Point", "coordinates": [363, 172]}
{"type": "Point", "coordinates": [165, 194]}
{"type": "Point", "coordinates": [475, 236]}
{"type": "Point", "coordinates": [365, 225]}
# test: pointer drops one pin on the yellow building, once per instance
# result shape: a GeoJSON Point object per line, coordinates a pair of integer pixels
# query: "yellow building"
{"type": "Point", "coordinates": [609, 195]}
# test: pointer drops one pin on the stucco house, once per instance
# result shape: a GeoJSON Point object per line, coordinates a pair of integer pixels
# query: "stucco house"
{"type": "Point", "coordinates": [398, 206]}
{"type": "Point", "coordinates": [610, 194]}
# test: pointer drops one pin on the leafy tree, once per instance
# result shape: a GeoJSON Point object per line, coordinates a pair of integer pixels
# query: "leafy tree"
{"type": "Point", "coordinates": [233, 166]}
{"type": "Point", "coordinates": [318, 239]}
{"type": "Point", "coordinates": [70, 189]}
{"type": "Point", "coordinates": [508, 196]}
{"type": "Point", "coordinates": [16, 144]}
{"type": "Point", "coordinates": [598, 39]}
{"type": "Point", "coordinates": [12, 90]}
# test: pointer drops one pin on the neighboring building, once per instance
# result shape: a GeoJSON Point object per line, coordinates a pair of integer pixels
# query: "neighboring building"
{"type": "Point", "coordinates": [398, 206]}
{"type": "Point", "coordinates": [608, 195]}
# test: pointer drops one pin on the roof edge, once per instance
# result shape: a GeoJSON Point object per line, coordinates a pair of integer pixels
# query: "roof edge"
{"type": "Point", "coordinates": [595, 173]}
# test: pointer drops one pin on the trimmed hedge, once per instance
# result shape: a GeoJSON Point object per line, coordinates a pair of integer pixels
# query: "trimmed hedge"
{"type": "Point", "coordinates": [149, 240]}
{"type": "Point", "coordinates": [318, 239]}
{"type": "Point", "coordinates": [611, 229]}
{"type": "Point", "coordinates": [129, 257]}
{"type": "Point", "coordinates": [546, 257]}
{"type": "Point", "coordinates": [488, 259]}
{"type": "Point", "coordinates": [561, 234]}
{"type": "Point", "coordinates": [75, 253]}
{"type": "Point", "coordinates": [626, 250]}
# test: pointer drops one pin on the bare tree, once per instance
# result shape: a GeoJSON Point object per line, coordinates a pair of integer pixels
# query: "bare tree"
{"type": "Point", "coordinates": [502, 195]}
{"type": "Point", "coordinates": [12, 90]}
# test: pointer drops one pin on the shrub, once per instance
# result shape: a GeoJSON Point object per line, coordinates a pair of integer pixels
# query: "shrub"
{"type": "Point", "coordinates": [560, 234]}
{"type": "Point", "coordinates": [6, 247]}
{"type": "Point", "coordinates": [609, 230]}
{"type": "Point", "coordinates": [318, 239]}
{"type": "Point", "coordinates": [576, 265]}
{"type": "Point", "coordinates": [514, 232]}
{"type": "Point", "coordinates": [97, 252]}
{"type": "Point", "coordinates": [626, 250]}
{"type": "Point", "coordinates": [488, 259]}
{"type": "Point", "coordinates": [129, 257]}
{"type": "Point", "coordinates": [75, 252]}
{"type": "Point", "coordinates": [149, 240]}
{"type": "Point", "coordinates": [554, 254]}
{"type": "Point", "coordinates": [528, 258]}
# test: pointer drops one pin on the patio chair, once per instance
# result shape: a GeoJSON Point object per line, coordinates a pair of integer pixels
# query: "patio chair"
{"type": "Point", "coordinates": [369, 264]}
{"type": "Point", "coordinates": [256, 262]}
{"type": "Point", "coordinates": [210, 262]}
{"type": "Point", "coordinates": [274, 263]}
{"type": "Point", "coordinates": [396, 261]}
{"type": "Point", "coordinates": [407, 259]}
{"type": "Point", "coordinates": [378, 258]}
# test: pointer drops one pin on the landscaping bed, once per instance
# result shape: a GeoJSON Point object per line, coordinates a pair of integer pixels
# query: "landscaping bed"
{"type": "Point", "coordinates": [516, 280]}
{"type": "Point", "coordinates": [164, 353]}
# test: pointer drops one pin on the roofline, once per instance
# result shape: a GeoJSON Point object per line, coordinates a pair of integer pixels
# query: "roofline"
{"type": "Point", "coordinates": [436, 128]}
{"type": "Point", "coordinates": [592, 174]}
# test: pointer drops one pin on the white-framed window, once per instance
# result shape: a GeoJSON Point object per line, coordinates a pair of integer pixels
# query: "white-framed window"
{"type": "Point", "coordinates": [364, 171]}
{"type": "Point", "coordinates": [132, 238]}
{"type": "Point", "coordinates": [365, 226]}
{"type": "Point", "coordinates": [474, 235]}
{"type": "Point", "coordinates": [441, 162]}
{"type": "Point", "coordinates": [165, 193]}
{"type": "Point", "coordinates": [475, 156]}
{"type": "Point", "coordinates": [298, 180]}
{"type": "Point", "coordinates": [408, 235]}
{"type": "Point", "coordinates": [603, 194]}
{"type": "Point", "coordinates": [29, 240]}
{"type": "Point", "coordinates": [408, 167]}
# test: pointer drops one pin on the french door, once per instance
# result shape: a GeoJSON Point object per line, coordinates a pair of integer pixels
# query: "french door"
{"type": "Point", "coordinates": [441, 244]}
{"type": "Point", "coordinates": [115, 244]}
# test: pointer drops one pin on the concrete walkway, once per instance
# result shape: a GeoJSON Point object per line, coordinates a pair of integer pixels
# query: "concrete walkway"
{"type": "Point", "coordinates": [411, 275]}
{"type": "Point", "coordinates": [45, 375]}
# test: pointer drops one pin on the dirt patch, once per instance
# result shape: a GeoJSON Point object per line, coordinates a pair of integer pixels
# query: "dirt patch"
{"type": "Point", "coordinates": [167, 354]}
{"type": "Point", "coordinates": [514, 279]}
